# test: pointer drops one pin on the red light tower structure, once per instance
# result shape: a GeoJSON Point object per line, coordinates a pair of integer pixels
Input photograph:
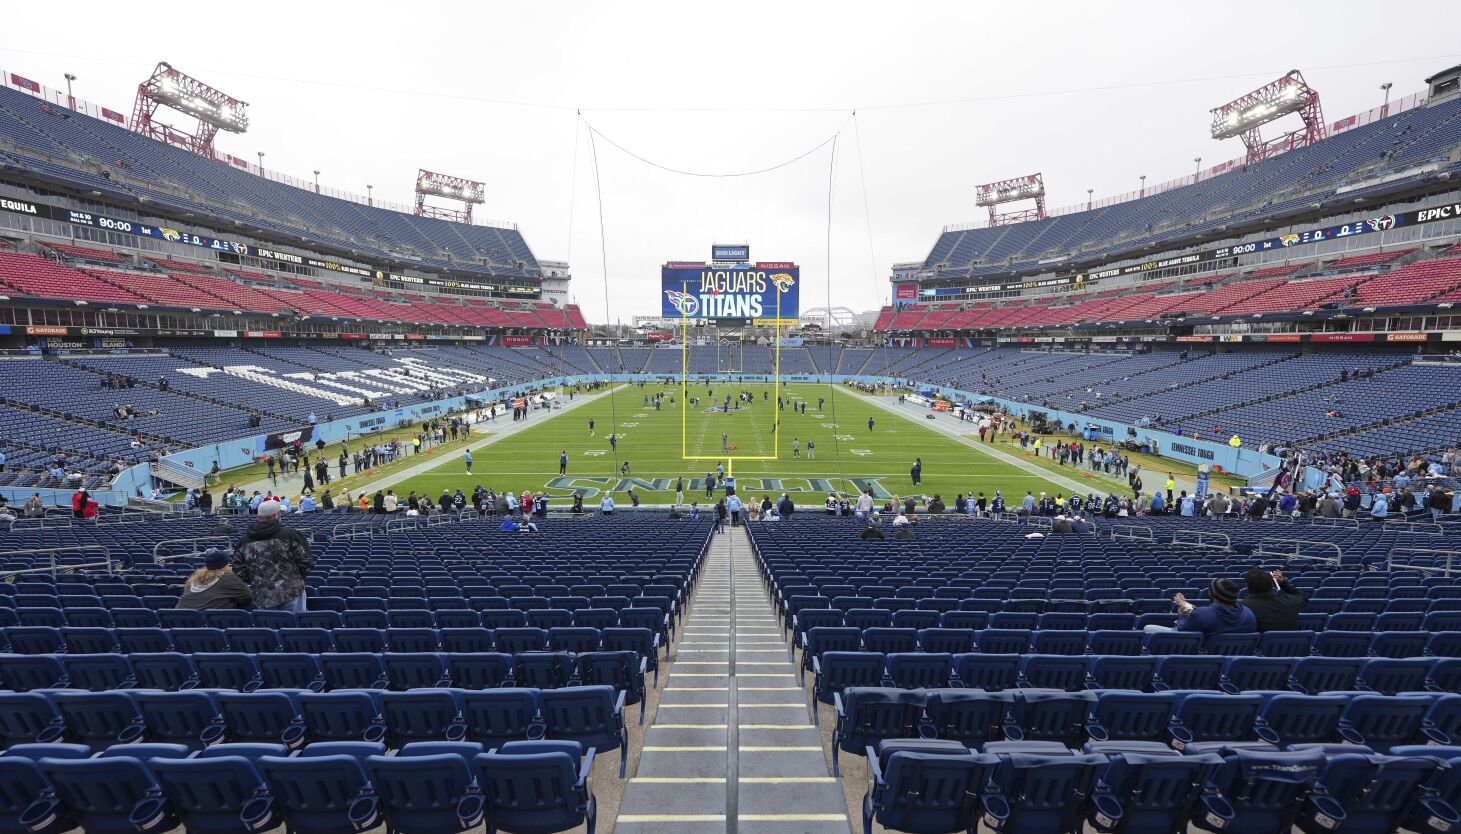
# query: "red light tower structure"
{"type": "Point", "coordinates": [171, 88]}
{"type": "Point", "coordinates": [994, 194]}
{"type": "Point", "coordinates": [467, 192]}
{"type": "Point", "coordinates": [1244, 116]}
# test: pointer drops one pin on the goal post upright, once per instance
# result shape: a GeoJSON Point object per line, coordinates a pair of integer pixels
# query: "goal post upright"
{"type": "Point", "coordinates": [730, 460]}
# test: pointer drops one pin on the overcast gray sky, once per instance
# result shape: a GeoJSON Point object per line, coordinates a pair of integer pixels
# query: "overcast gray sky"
{"type": "Point", "coordinates": [1092, 94]}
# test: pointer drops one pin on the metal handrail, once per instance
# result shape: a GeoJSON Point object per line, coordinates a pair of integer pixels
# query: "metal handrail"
{"type": "Point", "coordinates": [52, 552]}
{"type": "Point", "coordinates": [1281, 548]}
{"type": "Point", "coordinates": [1322, 521]}
{"type": "Point", "coordinates": [45, 522]}
{"type": "Point", "coordinates": [1132, 533]}
{"type": "Point", "coordinates": [1451, 556]}
{"type": "Point", "coordinates": [194, 541]}
{"type": "Point", "coordinates": [1427, 528]}
{"type": "Point", "coordinates": [1204, 539]}
{"type": "Point", "coordinates": [353, 530]}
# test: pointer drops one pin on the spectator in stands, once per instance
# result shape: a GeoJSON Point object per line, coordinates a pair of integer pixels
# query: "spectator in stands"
{"type": "Point", "coordinates": [785, 507]}
{"type": "Point", "coordinates": [33, 507]}
{"type": "Point", "coordinates": [935, 505]}
{"type": "Point", "coordinates": [1438, 502]}
{"type": "Point", "coordinates": [1380, 506]}
{"type": "Point", "coordinates": [1187, 505]}
{"type": "Point", "coordinates": [306, 504]}
{"type": "Point", "coordinates": [1223, 616]}
{"type": "Point", "coordinates": [79, 501]}
{"type": "Point", "coordinates": [1171, 484]}
{"type": "Point", "coordinates": [733, 506]}
{"type": "Point", "coordinates": [215, 586]}
{"type": "Point", "coordinates": [1080, 526]}
{"type": "Point", "coordinates": [1061, 525]}
{"type": "Point", "coordinates": [865, 504]}
{"type": "Point", "coordinates": [1158, 506]}
{"type": "Point", "coordinates": [720, 513]}
{"type": "Point", "coordinates": [1027, 506]}
{"type": "Point", "coordinates": [1274, 601]}
{"type": "Point", "coordinates": [606, 506]}
{"type": "Point", "coordinates": [274, 560]}
{"type": "Point", "coordinates": [1257, 508]}
{"type": "Point", "coordinates": [205, 502]}
{"type": "Point", "coordinates": [1351, 502]}
{"type": "Point", "coordinates": [327, 502]}
{"type": "Point", "coordinates": [1329, 506]}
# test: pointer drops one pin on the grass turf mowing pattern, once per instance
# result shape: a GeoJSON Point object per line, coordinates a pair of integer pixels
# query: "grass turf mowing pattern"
{"type": "Point", "coordinates": [847, 454]}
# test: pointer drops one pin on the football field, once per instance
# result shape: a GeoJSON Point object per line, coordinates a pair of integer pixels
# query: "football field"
{"type": "Point", "coordinates": [769, 447]}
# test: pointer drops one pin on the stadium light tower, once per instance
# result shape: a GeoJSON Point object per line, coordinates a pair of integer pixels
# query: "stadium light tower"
{"type": "Point", "coordinates": [468, 192]}
{"type": "Point", "coordinates": [1245, 115]}
{"type": "Point", "coordinates": [176, 90]}
{"type": "Point", "coordinates": [994, 194]}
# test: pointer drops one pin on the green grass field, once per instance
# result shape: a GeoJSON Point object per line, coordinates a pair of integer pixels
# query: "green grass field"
{"type": "Point", "coordinates": [848, 456]}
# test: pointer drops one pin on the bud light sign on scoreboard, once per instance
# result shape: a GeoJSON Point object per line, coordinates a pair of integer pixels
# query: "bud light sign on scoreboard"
{"type": "Point", "coordinates": [742, 291]}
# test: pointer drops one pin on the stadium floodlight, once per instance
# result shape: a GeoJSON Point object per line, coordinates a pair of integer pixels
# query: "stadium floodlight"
{"type": "Point", "coordinates": [1244, 116]}
{"type": "Point", "coordinates": [994, 194]}
{"type": "Point", "coordinates": [467, 192]}
{"type": "Point", "coordinates": [171, 88]}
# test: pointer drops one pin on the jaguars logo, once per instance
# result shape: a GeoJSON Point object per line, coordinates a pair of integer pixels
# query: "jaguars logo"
{"type": "Point", "coordinates": [783, 281]}
{"type": "Point", "coordinates": [1289, 239]}
{"type": "Point", "coordinates": [685, 304]}
{"type": "Point", "coordinates": [171, 234]}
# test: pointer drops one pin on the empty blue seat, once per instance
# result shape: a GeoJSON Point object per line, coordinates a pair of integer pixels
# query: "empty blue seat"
{"type": "Point", "coordinates": [920, 670]}
{"type": "Point", "coordinates": [433, 794]}
{"type": "Point", "coordinates": [1034, 793]}
{"type": "Point", "coordinates": [342, 716]}
{"type": "Point", "coordinates": [497, 716]}
{"type": "Point", "coordinates": [98, 672]}
{"type": "Point", "coordinates": [991, 672]}
{"type": "Point", "coordinates": [422, 715]}
{"type": "Point", "coordinates": [99, 719]}
{"type": "Point", "coordinates": [106, 795]}
{"type": "Point", "coordinates": [28, 718]}
{"type": "Point", "coordinates": [325, 794]}
{"type": "Point", "coordinates": [868, 715]}
{"type": "Point", "coordinates": [1381, 722]}
{"type": "Point", "coordinates": [1120, 672]}
{"type": "Point", "coordinates": [1144, 793]}
{"type": "Point", "coordinates": [262, 718]}
{"type": "Point", "coordinates": [591, 715]}
{"type": "Point", "coordinates": [970, 717]}
{"type": "Point", "coordinates": [1258, 791]}
{"type": "Point", "coordinates": [537, 788]}
{"type": "Point", "coordinates": [1117, 719]}
{"type": "Point", "coordinates": [1366, 794]}
{"type": "Point", "coordinates": [188, 718]}
{"type": "Point", "coordinates": [924, 786]}
{"type": "Point", "coordinates": [220, 794]}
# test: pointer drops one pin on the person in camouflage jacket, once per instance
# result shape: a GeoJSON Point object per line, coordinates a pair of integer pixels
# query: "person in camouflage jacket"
{"type": "Point", "coordinates": [274, 561]}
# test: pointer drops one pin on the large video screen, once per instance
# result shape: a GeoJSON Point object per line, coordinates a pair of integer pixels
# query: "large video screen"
{"type": "Point", "coordinates": [749, 291]}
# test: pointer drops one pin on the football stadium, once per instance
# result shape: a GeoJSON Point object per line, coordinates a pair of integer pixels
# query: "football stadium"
{"type": "Point", "coordinates": [699, 501]}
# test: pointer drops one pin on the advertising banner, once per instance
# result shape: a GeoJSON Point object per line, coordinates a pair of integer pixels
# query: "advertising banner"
{"type": "Point", "coordinates": [733, 292]}
{"type": "Point", "coordinates": [905, 292]}
{"type": "Point", "coordinates": [730, 252]}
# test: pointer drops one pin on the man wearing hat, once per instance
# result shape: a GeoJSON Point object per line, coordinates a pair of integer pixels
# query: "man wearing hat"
{"type": "Point", "coordinates": [274, 560]}
{"type": "Point", "coordinates": [214, 585]}
{"type": "Point", "coordinates": [1223, 616]}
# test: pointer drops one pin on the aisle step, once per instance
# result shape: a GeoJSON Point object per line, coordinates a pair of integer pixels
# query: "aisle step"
{"type": "Point", "coordinates": [732, 746]}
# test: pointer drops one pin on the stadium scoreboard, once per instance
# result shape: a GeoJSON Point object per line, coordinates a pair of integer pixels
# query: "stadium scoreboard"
{"type": "Point", "coordinates": [764, 293]}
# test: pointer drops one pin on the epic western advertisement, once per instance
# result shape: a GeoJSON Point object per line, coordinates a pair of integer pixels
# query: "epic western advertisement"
{"type": "Point", "coordinates": [750, 291]}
